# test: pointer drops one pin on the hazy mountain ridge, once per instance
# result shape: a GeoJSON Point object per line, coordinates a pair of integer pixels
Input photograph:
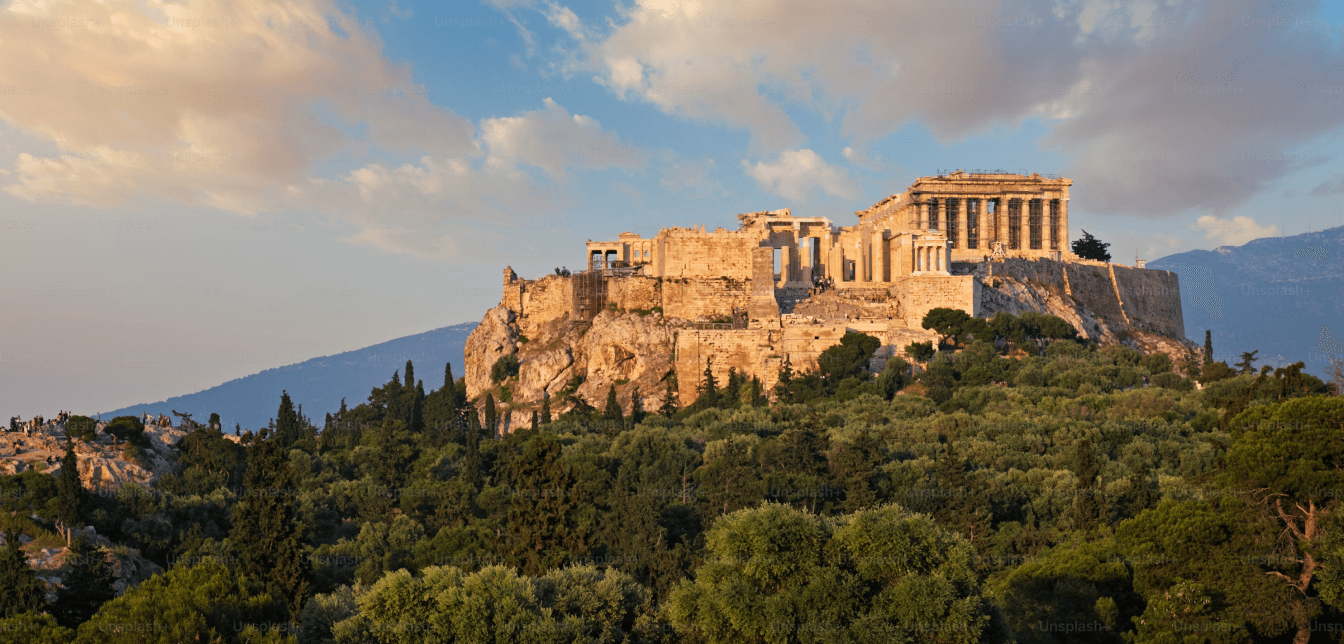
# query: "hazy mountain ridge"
{"type": "Point", "coordinates": [319, 383]}
{"type": "Point", "coordinates": [1272, 294]}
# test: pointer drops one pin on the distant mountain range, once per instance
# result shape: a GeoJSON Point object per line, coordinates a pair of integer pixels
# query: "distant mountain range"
{"type": "Point", "coordinates": [1273, 294]}
{"type": "Point", "coordinates": [320, 383]}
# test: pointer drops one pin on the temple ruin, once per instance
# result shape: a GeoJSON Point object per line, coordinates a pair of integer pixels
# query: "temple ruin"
{"type": "Point", "coordinates": [782, 286]}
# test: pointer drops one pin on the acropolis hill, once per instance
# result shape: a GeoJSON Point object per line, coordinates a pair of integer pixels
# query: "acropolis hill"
{"type": "Point", "coordinates": [787, 286]}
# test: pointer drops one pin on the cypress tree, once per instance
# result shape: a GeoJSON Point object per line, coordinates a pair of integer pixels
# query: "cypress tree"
{"type": "Point", "coordinates": [20, 591]}
{"type": "Point", "coordinates": [417, 420]}
{"type": "Point", "coordinates": [214, 421]}
{"type": "Point", "coordinates": [709, 389]}
{"type": "Point", "coordinates": [286, 421]}
{"type": "Point", "coordinates": [534, 420]}
{"type": "Point", "coordinates": [410, 374]}
{"type": "Point", "coordinates": [448, 377]}
{"type": "Point", "coordinates": [69, 491]}
{"type": "Point", "coordinates": [669, 406]}
{"type": "Point", "coordinates": [636, 407]}
{"type": "Point", "coordinates": [266, 533]}
{"type": "Point", "coordinates": [491, 414]}
{"type": "Point", "coordinates": [87, 586]}
{"type": "Point", "coordinates": [1208, 346]}
{"type": "Point", "coordinates": [612, 413]}
{"type": "Point", "coordinates": [545, 408]}
{"type": "Point", "coordinates": [472, 468]}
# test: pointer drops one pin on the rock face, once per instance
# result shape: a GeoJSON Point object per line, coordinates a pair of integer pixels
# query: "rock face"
{"type": "Point", "coordinates": [495, 337]}
{"type": "Point", "coordinates": [102, 464]}
{"type": "Point", "coordinates": [629, 350]}
{"type": "Point", "coordinates": [634, 341]}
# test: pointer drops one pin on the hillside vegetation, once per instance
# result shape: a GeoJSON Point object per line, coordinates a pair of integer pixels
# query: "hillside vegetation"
{"type": "Point", "coordinates": [1018, 485]}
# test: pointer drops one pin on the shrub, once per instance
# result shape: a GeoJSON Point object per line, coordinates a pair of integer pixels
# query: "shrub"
{"type": "Point", "coordinates": [81, 427]}
{"type": "Point", "coordinates": [920, 351]}
{"type": "Point", "coordinates": [505, 367]}
{"type": "Point", "coordinates": [1169, 380]}
{"type": "Point", "coordinates": [129, 429]}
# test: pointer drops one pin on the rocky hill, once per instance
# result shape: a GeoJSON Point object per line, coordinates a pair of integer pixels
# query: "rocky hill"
{"type": "Point", "coordinates": [104, 464]}
{"type": "Point", "coordinates": [318, 384]}
{"type": "Point", "coordinates": [1274, 295]}
{"type": "Point", "coordinates": [537, 342]}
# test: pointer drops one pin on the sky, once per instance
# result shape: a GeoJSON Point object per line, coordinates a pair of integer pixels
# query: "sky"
{"type": "Point", "coordinates": [195, 191]}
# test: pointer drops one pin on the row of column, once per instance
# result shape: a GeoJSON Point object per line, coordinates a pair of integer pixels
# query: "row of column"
{"type": "Point", "coordinates": [931, 259]}
{"type": "Point", "coordinates": [992, 228]}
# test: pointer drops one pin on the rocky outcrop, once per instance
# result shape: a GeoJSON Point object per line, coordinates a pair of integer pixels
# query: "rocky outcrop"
{"type": "Point", "coordinates": [103, 463]}
{"type": "Point", "coordinates": [494, 338]}
{"type": "Point", "coordinates": [628, 350]}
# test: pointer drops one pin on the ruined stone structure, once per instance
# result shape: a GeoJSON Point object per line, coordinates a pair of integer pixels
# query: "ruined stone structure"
{"type": "Point", "coordinates": [782, 287]}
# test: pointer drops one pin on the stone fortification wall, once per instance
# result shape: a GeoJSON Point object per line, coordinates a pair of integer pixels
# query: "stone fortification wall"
{"type": "Point", "coordinates": [1091, 286]}
{"type": "Point", "coordinates": [923, 293]}
{"type": "Point", "coordinates": [694, 298]}
{"type": "Point", "coordinates": [751, 352]}
{"type": "Point", "coordinates": [687, 253]}
{"type": "Point", "coordinates": [635, 292]}
{"type": "Point", "coordinates": [1151, 299]}
{"type": "Point", "coordinates": [544, 301]}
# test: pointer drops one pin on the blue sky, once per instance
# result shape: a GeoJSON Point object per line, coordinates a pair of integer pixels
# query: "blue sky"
{"type": "Point", "coordinates": [195, 191]}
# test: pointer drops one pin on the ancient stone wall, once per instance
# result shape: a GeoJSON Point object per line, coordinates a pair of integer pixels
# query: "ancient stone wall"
{"type": "Point", "coordinates": [634, 292]}
{"type": "Point", "coordinates": [923, 293]}
{"type": "Point", "coordinates": [694, 298]}
{"type": "Point", "coordinates": [691, 254]}
{"type": "Point", "coordinates": [1090, 285]}
{"type": "Point", "coordinates": [544, 300]}
{"type": "Point", "coordinates": [751, 352]}
{"type": "Point", "coordinates": [1151, 299]}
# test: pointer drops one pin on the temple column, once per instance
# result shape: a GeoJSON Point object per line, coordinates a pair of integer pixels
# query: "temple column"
{"type": "Point", "coordinates": [963, 238]}
{"type": "Point", "coordinates": [1064, 225]}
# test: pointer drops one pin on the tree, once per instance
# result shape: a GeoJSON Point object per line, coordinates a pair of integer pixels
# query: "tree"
{"type": "Point", "coordinates": [87, 586]}
{"type": "Point", "coordinates": [947, 323]}
{"type": "Point", "coordinates": [265, 532]}
{"type": "Point", "coordinates": [214, 420]}
{"type": "Point", "coordinates": [612, 414]}
{"type": "Point", "coordinates": [920, 351]}
{"type": "Point", "coordinates": [20, 590]}
{"type": "Point", "coordinates": [847, 359]}
{"type": "Point", "coordinates": [1089, 247]}
{"type": "Point", "coordinates": [879, 575]}
{"type": "Point", "coordinates": [286, 421]}
{"type": "Point", "coordinates": [636, 407]}
{"type": "Point", "coordinates": [535, 425]}
{"type": "Point", "coordinates": [491, 415]}
{"type": "Point", "coordinates": [1086, 507]}
{"type": "Point", "coordinates": [1247, 364]}
{"type": "Point", "coordinates": [1290, 455]}
{"type": "Point", "coordinates": [69, 492]}
{"type": "Point", "coordinates": [202, 603]}
{"type": "Point", "coordinates": [894, 377]}
{"type": "Point", "coordinates": [1208, 346]}
{"type": "Point", "coordinates": [669, 406]}
{"type": "Point", "coordinates": [707, 394]}
{"type": "Point", "coordinates": [545, 408]}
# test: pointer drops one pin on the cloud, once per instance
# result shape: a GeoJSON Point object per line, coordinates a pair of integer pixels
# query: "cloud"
{"type": "Point", "coordinates": [1158, 108]}
{"type": "Point", "coordinates": [555, 141]}
{"type": "Point", "coordinates": [860, 158]}
{"type": "Point", "coordinates": [234, 106]}
{"type": "Point", "coordinates": [798, 172]}
{"type": "Point", "coordinates": [693, 178]}
{"type": "Point", "coordinates": [1333, 186]}
{"type": "Point", "coordinates": [1233, 232]}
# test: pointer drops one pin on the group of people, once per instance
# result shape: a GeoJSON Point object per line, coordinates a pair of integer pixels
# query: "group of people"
{"type": "Point", "coordinates": [27, 426]}
{"type": "Point", "coordinates": [150, 421]}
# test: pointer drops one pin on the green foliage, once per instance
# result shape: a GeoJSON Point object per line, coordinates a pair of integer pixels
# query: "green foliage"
{"type": "Point", "coordinates": [20, 590]}
{"type": "Point", "coordinates": [206, 603]}
{"type": "Point", "coordinates": [495, 604]}
{"type": "Point", "coordinates": [129, 429]}
{"type": "Point", "coordinates": [920, 351]}
{"type": "Point", "coordinates": [777, 573]}
{"type": "Point", "coordinates": [265, 533]}
{"type": "Point", "coordinates": [82, 428]}
{"type": "Point", "coordinates": [86, 587]}
{"type": "Point", "coordinates": [1089, 247]}
{"type": "Point", "coordinates": [32, 628]}
{"type": "Point", "coordinates": [504, 368]}
{"type": "Point", "coordinates": [945, 322]}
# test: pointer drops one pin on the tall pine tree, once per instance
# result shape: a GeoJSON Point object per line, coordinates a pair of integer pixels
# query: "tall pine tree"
{"type": "Point", "coordinates": [286, 421]}
{"type": "Point", "coordinates": [266, 532]}
{"type": "Point", "coordinates": [69, 492]}
{"type": "Point", "coordinates": [20, 590]}
{"type": "Point", "coordinates": [545, 408]}
{"type": "Point", "coordinates": [612, 414]}
{"type": "Point", "coordinates": [491, 415]}
{"type": "Point", "coordinates": [86, 587]}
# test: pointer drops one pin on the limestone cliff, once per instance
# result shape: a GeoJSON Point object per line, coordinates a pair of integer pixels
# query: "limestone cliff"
{"type": "Point", "coordinates": [102, 463]}
{"type": "Point", "coordinates": [634, 341]}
